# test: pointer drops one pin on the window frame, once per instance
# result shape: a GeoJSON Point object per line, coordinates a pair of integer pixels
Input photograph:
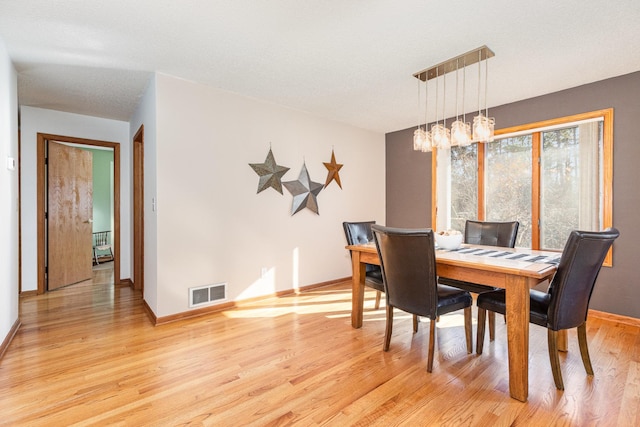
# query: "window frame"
{"type": "Point", "coordinates": [535, 129]}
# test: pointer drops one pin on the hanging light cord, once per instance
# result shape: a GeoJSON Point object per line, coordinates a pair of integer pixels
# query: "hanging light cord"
{"type": "Point", "coordinates": [426, 102]}
{"type": "Point", "coordinates": [479, 80]}
{"type": "Point", "coordinates": [457, 111]}
{"type": "Point", "coordinates": [419, 103]}
{"type": "Point", "coordinates": [486, 83]}
{"type": "Point", "coordinates": [464, 79]}
{"type": "Point", "coordinates": [444, 100]}
{"type": "Point", "coordinates": [437, 78]}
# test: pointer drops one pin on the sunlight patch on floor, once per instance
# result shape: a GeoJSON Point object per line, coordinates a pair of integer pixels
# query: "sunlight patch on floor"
{"type": "Point", "coordinates": [331, 303]}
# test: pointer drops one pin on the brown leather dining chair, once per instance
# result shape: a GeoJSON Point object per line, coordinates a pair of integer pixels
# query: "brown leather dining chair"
{"type": "Point", "coordinates": [410, 280]}
{"type": "Point", "coordinates": [358, 233]}
{"type": "Point", "coordinates": [565, 305]}
{"type": "Point", "coordinates": [489, 233]}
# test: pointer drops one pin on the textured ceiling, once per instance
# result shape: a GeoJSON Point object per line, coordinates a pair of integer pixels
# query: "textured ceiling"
{"type": "Point", "coordinates": [350, 61]}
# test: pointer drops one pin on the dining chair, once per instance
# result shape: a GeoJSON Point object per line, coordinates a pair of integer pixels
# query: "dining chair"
{"type": "Point", "coordinates": [408, 261]}
{"type": "Point", "coordinates": [358, 233]}
{"type": "Point", "coordinates": [565, 305]}
{"type": "Point", "coordinates": [489, 233]}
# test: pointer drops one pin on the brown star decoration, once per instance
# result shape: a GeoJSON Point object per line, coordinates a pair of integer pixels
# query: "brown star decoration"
{"type": "Point", "coordinates": [334, 169]}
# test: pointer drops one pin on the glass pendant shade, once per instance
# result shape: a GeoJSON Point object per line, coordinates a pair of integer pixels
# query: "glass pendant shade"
{"type": "Point", "coordinates": [441, 136]}
{"type": "Point", "coordinates": [421, 140]}
{"type": "Point", "coordinates": [483, 128]}
{"type": "Point", "coordinates": [460, 133]}
{"type": "Point", "coordinates": [418, 139]}
{"type": "Point", "coordinates": [427, 145]}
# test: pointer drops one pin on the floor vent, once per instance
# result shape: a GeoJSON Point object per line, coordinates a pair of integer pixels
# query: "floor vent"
{"type": "Point", "coordinates": [207, 294]}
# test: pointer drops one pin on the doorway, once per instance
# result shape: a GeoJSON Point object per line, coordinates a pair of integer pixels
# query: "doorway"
{"type": "Point", "coordinates": [41, 206]}
{"type": "Point", "coordinates": [138, 210]}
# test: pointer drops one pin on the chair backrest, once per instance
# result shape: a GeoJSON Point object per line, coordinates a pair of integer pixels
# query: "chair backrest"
{"type": "Point", "coordinates": [571, 287]}
{"type": "Point", "coordinates": [358, 232]}
{"type": "Point", "coordinates": [101, 238]}
{"type": "Point", "coordinates": [491, 233]}
{"type": "Point", "coordinates": [408, 261]}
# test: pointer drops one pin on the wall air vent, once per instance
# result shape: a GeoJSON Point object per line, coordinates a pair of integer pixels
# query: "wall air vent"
{"type": "Point", "coordinates": [208, 294]}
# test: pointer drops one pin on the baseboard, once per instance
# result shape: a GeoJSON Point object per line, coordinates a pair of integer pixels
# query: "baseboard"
{"type": "Point", "coordinates": [125, 282]}
{"type": "Point", "coordinates": [631, 321]}
{"type": "Point", "coordinates": [12, 333]}
{"type": "Point", "coordinates": [150, 313]}
{"type": "Point", "coordinates": [194, 313]}
{"type": "Point", "coordinates": [157, 321]}
{"type": "Point", "coordinates": [28, 293]}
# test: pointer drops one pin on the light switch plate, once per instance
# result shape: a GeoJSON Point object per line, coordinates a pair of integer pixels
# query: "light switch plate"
{"type": "Point", "coordinates": [11, 163]}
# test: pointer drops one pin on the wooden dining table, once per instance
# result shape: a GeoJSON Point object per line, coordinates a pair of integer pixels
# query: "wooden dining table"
{"type": "Point", "coordinates": [516, 276]}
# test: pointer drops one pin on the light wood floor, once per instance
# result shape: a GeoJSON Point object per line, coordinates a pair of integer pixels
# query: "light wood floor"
{"type": "Point", "coordinates": [88, 355]}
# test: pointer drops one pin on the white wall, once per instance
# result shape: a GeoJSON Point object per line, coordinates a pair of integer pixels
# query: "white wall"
{"type": "Point", "coordinates": [8, 195]}
{"type": "Point", "coordinates": [212, 227]}
{"type": "Point", "coordinates": [37, 120]}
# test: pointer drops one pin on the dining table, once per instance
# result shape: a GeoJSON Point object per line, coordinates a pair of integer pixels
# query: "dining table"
{"type": "Point", "coordinates": [514, 269]}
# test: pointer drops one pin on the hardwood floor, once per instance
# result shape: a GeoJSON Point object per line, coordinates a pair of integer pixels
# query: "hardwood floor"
{"type": "Point", "coordinates": [87, 355]}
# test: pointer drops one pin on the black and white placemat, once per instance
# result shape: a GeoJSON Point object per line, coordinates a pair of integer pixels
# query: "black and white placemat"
{"type": "Point", "coordinates": [550, 259]}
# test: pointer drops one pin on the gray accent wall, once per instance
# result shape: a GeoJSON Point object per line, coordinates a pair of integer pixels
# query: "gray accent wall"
{"type": "Point", "coordinates": [408, 176]}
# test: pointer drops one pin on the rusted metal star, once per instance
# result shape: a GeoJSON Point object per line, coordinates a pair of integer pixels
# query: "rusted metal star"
{"type": "Point", "coordinates": [304, 192]}
{"type": "Point", "coordinates": [270, 173]}
{"type": "Point", "coordinates": [333, 168]}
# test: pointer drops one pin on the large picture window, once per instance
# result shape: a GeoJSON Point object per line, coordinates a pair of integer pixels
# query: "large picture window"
{"type": "Point", "coordinates": [553, 177]}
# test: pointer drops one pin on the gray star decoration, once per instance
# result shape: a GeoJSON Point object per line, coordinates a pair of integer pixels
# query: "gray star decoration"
{"type": "Point", "coordinates": [270, 173]}
{"type": "Point", "coordinates": [304, 192]}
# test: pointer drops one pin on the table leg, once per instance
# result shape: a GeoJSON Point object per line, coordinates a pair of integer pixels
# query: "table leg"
{"type": "Point", "coordinates": [357, 291]}
{"type": "Point", "coordinates": [517, 313]}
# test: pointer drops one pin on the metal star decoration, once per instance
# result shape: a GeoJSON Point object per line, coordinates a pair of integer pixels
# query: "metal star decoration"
{"type": "Point", "coordinates": [304, 192]}
{"type": "Point", "coordinates": [333, 168]}
{"type": "Point", "coordinates": [270, 173]}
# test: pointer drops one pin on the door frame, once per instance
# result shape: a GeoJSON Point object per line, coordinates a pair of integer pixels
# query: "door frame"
{"type": "Point", "coordinates": [41, 197]}
{"type": "Point", "coordinates": [138, 210]}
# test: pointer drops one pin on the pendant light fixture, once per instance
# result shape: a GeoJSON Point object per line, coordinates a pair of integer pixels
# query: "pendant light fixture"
{"type": "Point", "coordinates": [460, 133]}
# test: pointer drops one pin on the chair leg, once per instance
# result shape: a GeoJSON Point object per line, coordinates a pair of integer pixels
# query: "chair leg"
{"type": "Point", "coordinates": [415, 323]}
{"type": "Point", "coordinates": [584, 349]}
{"type": "Point", "coordinates": [482, 315]}
{"type": "Point", "coordinates": [432, 345]}
{"type": "Point", "coordinates": [492, 325]}
{"type": "Point", "coordinates": [552, 337]}
{"type": "Point", "coordinates": [467, 329]}
{"type": "Point", "coordinates": [389, 328]}
{"type": "Point", "coordinates": [378, 299]}
{"type": "Point", "coordinates": [95, 256]}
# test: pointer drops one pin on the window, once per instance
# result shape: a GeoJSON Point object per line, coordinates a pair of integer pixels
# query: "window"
{"type": "Point", "coordinates": [464, 194]}
{"type": "Point", "coordinates": [508, 184]}
{"type": "Point", "coordinates": [553, 177]}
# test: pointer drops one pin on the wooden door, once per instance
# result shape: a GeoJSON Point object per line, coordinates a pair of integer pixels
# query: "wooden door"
{"type": "Point", "coordinates": [69, 215]}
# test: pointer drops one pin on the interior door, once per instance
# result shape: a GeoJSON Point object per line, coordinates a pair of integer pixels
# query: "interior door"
{"type": "Point", "coordinates": [69, 215]}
